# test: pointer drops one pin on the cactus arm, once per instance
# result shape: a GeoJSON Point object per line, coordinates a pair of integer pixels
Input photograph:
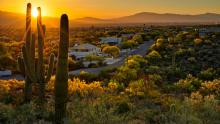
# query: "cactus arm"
{"type": "Point", "coordinates": [28, 69]}
{"type": "Point", "coordinates": [21, 65]}
{"type": "Point", "coordinates": [28, 27]}
{"type": "Point", "coordinates": [44, 30]}
{"type": "Point", "coordinates": [40, 67]}
{"type": "Point", "coordinates": [50, 68]}
{"type": "Point", "coordinates": [32, 53]}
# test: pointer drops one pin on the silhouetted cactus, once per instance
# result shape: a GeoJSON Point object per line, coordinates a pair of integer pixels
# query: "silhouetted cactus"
{"type": "Point", "coordinates": [42, 80]}
{"type": "Point", "coordinates": [61, 81]}
{"type": "Point", "coordinates": [27, 63]}
{"type": "Point", "coordinates": [27, 49]}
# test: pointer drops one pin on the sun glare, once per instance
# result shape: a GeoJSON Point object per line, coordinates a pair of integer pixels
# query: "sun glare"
{"type": "Point", "coordinates": [35, 12]}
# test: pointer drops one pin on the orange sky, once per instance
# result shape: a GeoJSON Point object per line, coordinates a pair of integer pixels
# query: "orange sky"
{"type": "Point", "coordinates": [112, 8]}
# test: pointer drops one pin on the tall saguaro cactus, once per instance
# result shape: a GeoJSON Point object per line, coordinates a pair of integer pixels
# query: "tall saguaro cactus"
{"type": "Point", "coordinates": [34, 73]}
{"type": "Point", "coordinates": [29, 54]}
{"type": "Point", "coordinates": [42, 80]}
{"type": "Point", "coordinates": [61, 81]}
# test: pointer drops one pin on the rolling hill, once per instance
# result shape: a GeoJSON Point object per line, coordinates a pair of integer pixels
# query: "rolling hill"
{"type": "Point", "coordinates": [15, 20]}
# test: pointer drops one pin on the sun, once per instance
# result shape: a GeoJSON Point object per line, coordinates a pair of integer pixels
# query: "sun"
{"type": "Point", "coordinates": [34, 12]}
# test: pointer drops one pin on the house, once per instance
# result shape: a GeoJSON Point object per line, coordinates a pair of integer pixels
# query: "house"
{"type": "Point", "coordinates": [111, 40]}
{"type": "Point", "coordinates": [83, 50]}
{"type": "Point", "coordinates": [5, 73]}
{"type": "Point", "coordinates": [203, 32]}
{"type": "Point", "coordinates": [207, 30]}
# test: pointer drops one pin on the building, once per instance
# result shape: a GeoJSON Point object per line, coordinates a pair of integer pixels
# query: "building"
{"type": "Point", "coordinates": [111, 40]}
{"type": "Point", "coordinates": [5, 73]}
{"type": "Point", "coordinates": [83, 50]}
{"type": "Point", "coordinates": [207, 30]}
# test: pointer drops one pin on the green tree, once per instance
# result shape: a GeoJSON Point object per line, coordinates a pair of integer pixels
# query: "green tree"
{"type": "Point", "coordinates": [125, 75]}
{"type": "Point", "coordinates": [112, 50]}
{"type": "Point", "coordinates": [138, 38]}
{"type": "Point", "coordinates": [153, 56]}
{"type": "Point", "coordinates": [93, 58]}
{"type": "Point", "coordinates": [128, 44]}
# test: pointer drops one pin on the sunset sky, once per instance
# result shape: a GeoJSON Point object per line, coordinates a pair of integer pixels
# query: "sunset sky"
{"type": "Point", "coordinates": [112, 8]}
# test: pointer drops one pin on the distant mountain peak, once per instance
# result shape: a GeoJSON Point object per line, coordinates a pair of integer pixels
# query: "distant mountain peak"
{"type": "Point", "coordinates": [88, 18]}
{"type": "Point", "coordinates": [144, 13]}
{"type": "Point", "coordinates": [10, 19]}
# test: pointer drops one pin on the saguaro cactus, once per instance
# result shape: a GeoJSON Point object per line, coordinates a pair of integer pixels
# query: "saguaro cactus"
{"type": "Point", "coordinates": [42, 80]}
{"type": "Point", "coordinates": [27, 49]}
{"type": "Point", "coordinates": [27, 63]}
{"type": "Point", "coordinates": [61, 81]}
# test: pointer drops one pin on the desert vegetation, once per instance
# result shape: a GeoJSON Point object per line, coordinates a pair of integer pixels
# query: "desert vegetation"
{"type": "Point", "coordinates": [177, 81]}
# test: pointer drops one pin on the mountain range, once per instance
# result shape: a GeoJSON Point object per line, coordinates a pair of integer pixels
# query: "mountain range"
{"type": "Point", "coordinates": [9, 19]}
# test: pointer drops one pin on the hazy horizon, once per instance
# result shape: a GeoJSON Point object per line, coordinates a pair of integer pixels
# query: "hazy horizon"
{"type": "Point", "coordinates": [112, 8]}
{"type": "Point", "coordinates": [129, 14]}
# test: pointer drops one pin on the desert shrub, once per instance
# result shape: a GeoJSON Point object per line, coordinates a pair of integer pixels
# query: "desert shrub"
{"type": "Point", "coordinates": [189, 84]}
{"type": "Point", "coordinates": [152, 69]}
{"type": "Point", "coordinates": [136, 89]}
{"type": "Point", "coordinates": [195, 109]}
{"type": "Point", "coordinates": [24, 114]}
{"type": "Point", "coordinates": [128, 44]}
{"type": "Point", "coordinates": [142, 62]}
{"type": "Point", "coordinates": [156, 78]}
{"type": "Point", "coordinates": [174, 73]}
{"type": "Point", "coordinates": [131, 63]}
{"type": "Point", "coordinates": [100, 113]}
{"type": "Point", "coordinates": [88, 77]}
{"type": "Point", "coordinates": [105, 74]}
{"type": "Point", "coordinates": [206, 107]}
{"type": "Point", "coordinates": [159, 43]}
{"type": "Point", "coordinates": [113, 86]}
{"type": "Point", "coordinates": [153, 57]}
{"type": "Point", "coordinates": [76, 65]}
{"type": "Point", "coordinates": [7, 62]}
{"type": "Point", "coordinates": [210, 87]}
{"type": "Point", "coordinates": [122, 108]}
{"type": "Point", "coordinates": [142, 89]}
{"type": "Point", "coordinates": [125, 75]}
{"type": "Point", "coordinates": [80, 88]}
{"type": "Point", "coordinates": [93, 65]}
{"type": "Point", "coordinates": [208, 74]}
{"type": "Point", "coordinates": [112, 50]}
{"type": "Point", "coordinates": [11, 91]}
{"type": "Point", "coordinates": [138, 39]}
{"type": "Point", "coordinates": [178, 114]}
{"type": "Point", "coordinates": [198, 41]}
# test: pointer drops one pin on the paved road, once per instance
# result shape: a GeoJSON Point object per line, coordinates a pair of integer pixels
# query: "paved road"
{"type": "Point", "coordinates": [141, 50]}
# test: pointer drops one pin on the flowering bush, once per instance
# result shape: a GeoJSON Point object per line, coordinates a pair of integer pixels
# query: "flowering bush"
{"type": "Point", "coordinates": [198, 41]}
{"type": "Point", "coordinates": [195, 109]}
{"type": "Point", "coordinates": [210, 87]}
{"type": "Point", "coordinates": [125, 75]}
{"type": "Point", "coordinates": [80, 87]}
{"type": "Point", "coordinates": [112, 86]}
{"type": "Point", "coordinates": [135, 87]}
{"type": "Point", "coordinates": [189, 84]}
{"type": "Point", "coordinates": [141, 88]}
{"type": "Point", "coordinates": [11, 90]}
{"type": "Point", "coordinates": [153, 55]}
